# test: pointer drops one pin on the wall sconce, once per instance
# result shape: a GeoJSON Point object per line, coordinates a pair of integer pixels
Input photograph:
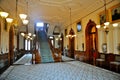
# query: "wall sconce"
{"type": "Point", "coordinates": [9, 20]}
{"type": "Point", "coordinates": [4, 14]}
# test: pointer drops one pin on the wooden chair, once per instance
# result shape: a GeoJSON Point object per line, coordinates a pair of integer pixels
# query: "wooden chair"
{"type": "Point", "coordinates": [115, 63]}
{"type": "Point", "coordinates": [100, 61]}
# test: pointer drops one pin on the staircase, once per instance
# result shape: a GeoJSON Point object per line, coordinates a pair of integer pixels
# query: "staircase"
{"type": "Point", "coordinates": [45, 51]}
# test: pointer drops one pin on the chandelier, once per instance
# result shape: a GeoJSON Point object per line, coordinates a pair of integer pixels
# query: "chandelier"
{"type": "Point", "coordinates": [27, 35]}
{"type": "Point", "coordinates": [10, 20]}
{"type": "Point", "coordinates": [106, 23]}
{"type": "Point", "coordinates": [4, 14]}
{"type": "Point", "coordinates": [71, 34]}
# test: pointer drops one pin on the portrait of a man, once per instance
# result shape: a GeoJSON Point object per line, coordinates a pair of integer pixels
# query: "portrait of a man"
{"type": "Point", "coordinates": [116, 13]}
{"type": "Point", "coordinates": [102, 18]}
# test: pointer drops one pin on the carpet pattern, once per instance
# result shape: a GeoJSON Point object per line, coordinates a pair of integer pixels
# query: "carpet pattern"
{"type": "Point", "coordinates": [25, 59]}
{"type": "Point", "coordinates": [45, 51]}
{"type": "Point", "coordinates": [69, 70]}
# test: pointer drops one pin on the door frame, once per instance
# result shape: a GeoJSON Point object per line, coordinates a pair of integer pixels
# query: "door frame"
{"type": "Point", "coordinates": [89, 51]}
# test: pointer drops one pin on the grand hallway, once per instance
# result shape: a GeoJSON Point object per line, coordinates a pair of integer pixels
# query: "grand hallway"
{"type": "Point", "coordinates": [59, 40]}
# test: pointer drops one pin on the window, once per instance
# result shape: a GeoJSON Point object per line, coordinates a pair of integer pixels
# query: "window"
{"type": "Point", "coordinates": [27, 44]}
{"type": "Point", "coordinates": [79, 27]}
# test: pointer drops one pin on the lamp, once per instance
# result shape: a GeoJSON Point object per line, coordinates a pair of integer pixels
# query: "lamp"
{"type": "Point", "coordinates": [71, 35]}
{"type": "Point", "coordinates": [106, 23]}
{"type": "Point", "coordinates": [25, 22]}
{"type": "Point", "coordinates": [115, 24]}
{"type": "Point", "coordinates": [23, 16]}
{"type": "Point", "coordinates": [4, 14]}
{"type": "Point", "coordinates": [9, 20]}
{"type": "Point", "coordinates": [26, 35]}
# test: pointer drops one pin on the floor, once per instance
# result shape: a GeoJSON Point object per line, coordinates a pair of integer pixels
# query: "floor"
{"type": "Point", "coordinates": [69, 69]}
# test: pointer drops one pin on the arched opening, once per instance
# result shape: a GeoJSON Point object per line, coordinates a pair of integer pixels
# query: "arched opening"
{"type": "Point", "coordinates": [71, 45]}
{"type": "Point", "coordinates": [91, 37]}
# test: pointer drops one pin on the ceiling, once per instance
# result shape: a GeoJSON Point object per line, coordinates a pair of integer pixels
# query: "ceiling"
{"type": "Point", "coordinates": [54, 12]}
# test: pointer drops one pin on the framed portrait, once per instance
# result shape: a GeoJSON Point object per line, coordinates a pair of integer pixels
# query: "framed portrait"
{"type": "Point", "coordinates": [104, 47]}
{"type": "Point", "coordinates": [102, 17]}
{"type": "Point", "coordinates": [79, 27]}
{"type": "Point", "coordinates": [115, 12]}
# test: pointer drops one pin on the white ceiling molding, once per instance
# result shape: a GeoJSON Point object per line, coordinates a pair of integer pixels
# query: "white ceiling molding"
{"type": "Point", "coordinates": [54, 11]}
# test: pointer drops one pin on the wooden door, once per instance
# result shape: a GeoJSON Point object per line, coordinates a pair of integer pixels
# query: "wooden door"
{"type": "Point", "coordinates": [91, 37]}
{"type": "Point", "coordinates": [71, 44]}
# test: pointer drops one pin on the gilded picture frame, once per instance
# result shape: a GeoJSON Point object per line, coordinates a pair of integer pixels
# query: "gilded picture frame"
{"type": "Point", "coordinates": [103, 17]}
{"type": "Point", "coordinates": [115, 13]}
{"type": "Point", "coordinates": [79, 26]}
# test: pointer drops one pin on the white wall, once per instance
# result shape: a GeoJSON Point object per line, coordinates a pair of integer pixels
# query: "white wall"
{"type": "Point", "coordinates": [112, 37]}
{"type": "Point", "coordinates": [4, 38]}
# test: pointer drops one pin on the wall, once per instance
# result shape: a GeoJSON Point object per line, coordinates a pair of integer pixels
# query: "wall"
{"type": "Point", "coordinates": [111, 38]}
{"type": "Point", "coordinates": [4, 38]}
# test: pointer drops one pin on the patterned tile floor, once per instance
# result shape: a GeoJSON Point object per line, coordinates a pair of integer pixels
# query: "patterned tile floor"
{"type": "Point", "coordinates": [25, 59]}
{"type": "Point", "coordinates": [67, 70]}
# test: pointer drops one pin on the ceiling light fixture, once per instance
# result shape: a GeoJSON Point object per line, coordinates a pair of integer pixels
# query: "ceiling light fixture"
{"type": "Point", "coordinates": [4, 14]}
{"type": "Point", "coordinates": [27, 35]}
{"type": "Point", "coordinates": [23, 16]}
{"type": "Point", "coordinates": [106, 23]}
{"type": "Point", "coordinates": [15, 21]}
{"type": "Point", "coordinates": [25, 22]}
{"type": "Point", "coordinates": [71, 35]}
{"type": "Point", "coordinates": [9, 20]}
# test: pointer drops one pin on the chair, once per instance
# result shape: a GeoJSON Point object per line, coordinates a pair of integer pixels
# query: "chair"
{"type": "Point", "coordinates": [116, 63]}
{"type": "Point", "coordinates": [100, 60]}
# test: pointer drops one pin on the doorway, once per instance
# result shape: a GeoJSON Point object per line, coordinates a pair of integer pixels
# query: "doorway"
{"type": "Point", "coordinates": [91, 37]}
{"type": "Point", "coordinates": [71, 46]}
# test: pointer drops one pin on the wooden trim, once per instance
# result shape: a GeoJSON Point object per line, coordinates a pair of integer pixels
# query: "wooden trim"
{"type": "Point", "coordinates": [110, 13]}
{"type": "Point", "coordinates": [11, 45]}
{"type": "Point", "coordinates": [89, 41]}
